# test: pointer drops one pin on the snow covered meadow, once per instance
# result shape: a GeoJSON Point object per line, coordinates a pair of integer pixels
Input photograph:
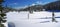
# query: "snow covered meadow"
{"type": "Point", "coordinates": [20, 19]}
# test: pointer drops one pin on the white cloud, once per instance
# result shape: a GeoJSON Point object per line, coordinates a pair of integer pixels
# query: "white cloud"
{"type": "Point", "coordinates": [40, 2]}
{"type": "Point", "coordinates": [32, 4]}
{"type": "Point", "coordinates": [25, 6]}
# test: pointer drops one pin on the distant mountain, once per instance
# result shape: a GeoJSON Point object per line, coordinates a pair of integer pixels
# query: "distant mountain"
{"type": "Point", "coordinates": [34, 8]}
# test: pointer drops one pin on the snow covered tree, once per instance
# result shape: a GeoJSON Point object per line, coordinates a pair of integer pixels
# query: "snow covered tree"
{"type": "Point", "coordinates": [2, 14]}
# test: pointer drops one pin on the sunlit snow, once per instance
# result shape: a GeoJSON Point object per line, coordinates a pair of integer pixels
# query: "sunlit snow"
{"type": "Point", "coordinates": [21, 19]}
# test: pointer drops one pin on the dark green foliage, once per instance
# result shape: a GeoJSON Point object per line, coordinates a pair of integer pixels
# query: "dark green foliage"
{"type": "Point", "coordinates": [2, 25]}
{"type": "Point", "coordinates": [3, 21]}
{"type": "Point", "coordinates": [2, 14]}
{"type": "Point", "coordinates": [53, 6]}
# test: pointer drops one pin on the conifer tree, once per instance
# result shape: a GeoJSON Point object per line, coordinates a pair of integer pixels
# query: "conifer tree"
{"type": "Point", "coordinates": [2, 15]}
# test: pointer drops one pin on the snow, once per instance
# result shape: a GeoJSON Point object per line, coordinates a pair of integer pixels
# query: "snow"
{"type": "Point", "coordinates": [5, 24]}
{"type": "Point", "coordinates": [21, 19]}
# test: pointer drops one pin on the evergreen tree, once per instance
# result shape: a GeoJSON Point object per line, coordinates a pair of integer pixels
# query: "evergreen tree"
{"type": "Point", "coordinates": [2, 15]}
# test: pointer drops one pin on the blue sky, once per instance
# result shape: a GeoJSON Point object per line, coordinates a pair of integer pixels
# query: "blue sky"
{"type": "Point", "coordinates": [24, 3]}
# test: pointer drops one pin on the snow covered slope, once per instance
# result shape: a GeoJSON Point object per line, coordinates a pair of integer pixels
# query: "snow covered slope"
{"type": "Point", "coordinates": [21, 19]}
